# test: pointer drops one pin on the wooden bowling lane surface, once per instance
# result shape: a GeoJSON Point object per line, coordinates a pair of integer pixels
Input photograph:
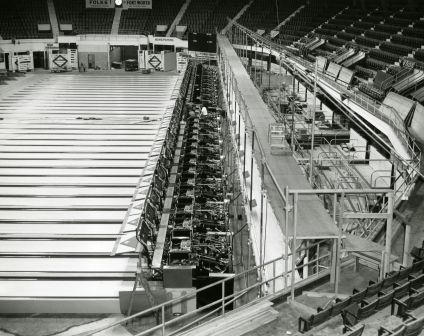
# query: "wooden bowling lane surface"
{"type": "Point", "coordinates": [73, 149]}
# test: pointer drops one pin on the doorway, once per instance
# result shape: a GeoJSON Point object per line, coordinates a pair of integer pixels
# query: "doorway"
{"type": "Point", "coordinates": [91, 61]}
{"type": "Point", "coordinates": [39, 59]}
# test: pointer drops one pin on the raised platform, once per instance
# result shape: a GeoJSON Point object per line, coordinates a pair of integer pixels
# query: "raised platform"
{"type": "Point", "coordinates": [73, 150]}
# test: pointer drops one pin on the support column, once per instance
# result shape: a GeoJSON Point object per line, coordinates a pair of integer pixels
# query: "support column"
{"type": "Point", "coordinates": [367, 152]}
{"type": "Point", "coordinates": [294, 247]}
{"type": "Point", "coordinates": [406, 245]}
{"type": "Point", "coordinates": [388, 250]}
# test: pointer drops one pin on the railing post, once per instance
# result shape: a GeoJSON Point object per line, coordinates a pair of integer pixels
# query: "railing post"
{"type": "Point", "coordinates": [286, 238]}
{"type": "Point", "coordinates": [295, 201]}
{"type": "Point", "coordinates": [163, 320]}
{"type": "Point", "coordinates": [223, 298]}
{"type": "Point", "coordinates": [389, 233]}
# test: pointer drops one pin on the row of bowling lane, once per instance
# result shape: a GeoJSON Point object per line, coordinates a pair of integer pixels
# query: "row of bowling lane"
{"type": "Point", "coordinates": [72, 149]}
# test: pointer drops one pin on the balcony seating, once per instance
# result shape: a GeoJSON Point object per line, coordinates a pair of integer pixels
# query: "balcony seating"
{"type": "Point", "coordinates": [376, 64]}
{"type": "Point", "coordinates": [364, 25]}
{"type": "Point", "coordinates": [346, 36]}
{"type": "Point", "coordinates": [364, 72]}
{"type": "Point", "coordinates": [415, 15]}
{"type": "Point", "coordinates": [313, 15]}
{"type": "Point", "coordinates": [413, 32]}
{"type": "Point", "coordinates": [334, 27]}
{"type": "Point", "coordinates": [419, 55]}
{"type": "Point", "coordinates": [383, 80]}
{"type": "Point", "coordinates": [21, 19]}
{"type": "Point", "coordinates": [384, 56]}
{"type": "Point", "coordinates": [376, 35]}
{"type": "Point", "coordinates": [387, 28]}
{"type": "Point", "coordinates": [355, 30]}
{"type": "Point", "coordinates": [373, 19]}
{"type": "Point", "coordinates": [412, 42]}
{"type": "Point", "coordinates": [399, 22]}
{"type": "Point", "coordinates": [372, 91]}
{"type": "Point", "coordinates": [162, 13]}
{"type": "Point", "coordinates": [226, 9]}
{"type": "Point", "coordinates": [263, 14]}
{"type": "Point", "coordinates": [367, 42]}
{"type": "Point", "coordinates": [133, 21]}
{"type": "Point", "coordinates": [325, 32]}
{"type": "Point", "coordinates": [419, 24]}
{"type": "Point", "coordinates": [84, 20]}
{"type": "Point", "coordinates": [397, 49]}
{"type": "Point", "coordinates": [341, 22]}
{"type": "Point", "coordinates": [418, 95]}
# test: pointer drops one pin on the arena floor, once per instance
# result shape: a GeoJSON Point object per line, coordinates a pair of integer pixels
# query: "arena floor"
{"type": "Point", "coordinates": [72, 150]}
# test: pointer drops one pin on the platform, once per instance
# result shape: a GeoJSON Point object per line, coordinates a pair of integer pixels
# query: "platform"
{"type": "Point", "coordinates": [314, 221]}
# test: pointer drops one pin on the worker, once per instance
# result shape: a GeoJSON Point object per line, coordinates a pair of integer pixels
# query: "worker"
{"type": "Point", "coordinates": [204, 111]}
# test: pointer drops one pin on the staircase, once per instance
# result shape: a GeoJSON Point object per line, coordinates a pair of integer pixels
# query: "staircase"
{"type": "Point", "coordinates": [287, 19]}
{"type": "Point", "coordinates": [238, 322]}
{"type": "Point", "coordinates": [53, 19]}
{"type": "Point", "coordinates": [178, 18]}
{"type": "Point", "coordinates": [116, 21]}
{"type": "Point", "coordinates": [235, 18]}
{"type": "Point", "coordinates": [355, 59]}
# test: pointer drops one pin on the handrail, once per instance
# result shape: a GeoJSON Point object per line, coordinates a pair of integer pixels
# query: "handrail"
{"type": "Point", "coordinates": [224, 299]}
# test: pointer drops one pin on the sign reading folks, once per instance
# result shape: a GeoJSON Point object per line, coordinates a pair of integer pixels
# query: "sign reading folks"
{"type": "Point", "coordinates": [126, 4]}
{"type": "Point", "coordinates": [99, 4]}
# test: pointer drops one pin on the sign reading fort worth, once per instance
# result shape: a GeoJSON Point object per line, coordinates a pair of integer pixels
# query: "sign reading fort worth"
{"type": "Point", "coordinates": [146, 4]}
{"type": "Point", "coordinates": [126, 4]}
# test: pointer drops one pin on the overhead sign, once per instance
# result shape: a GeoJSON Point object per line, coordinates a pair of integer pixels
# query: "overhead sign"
{"type": "Point", "coordinates": [99, 4]}
{"type": "Point", "coordinates": [139, 4]}
{"type": "Point", "coordinates": [126, 4]}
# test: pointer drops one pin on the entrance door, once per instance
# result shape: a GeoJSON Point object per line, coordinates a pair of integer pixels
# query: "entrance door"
{"type": "Point", "coordinates": [39, 61]}
{"type": "Point", "coordinates": [91, 61]}
{"type": "Point", "coordinates": [6, 59]}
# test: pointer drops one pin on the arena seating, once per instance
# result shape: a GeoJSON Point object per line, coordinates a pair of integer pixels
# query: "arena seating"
{"type": "Point", "coordinates": [223, 10]}
{"type": "Point", "coordinates": [163, 12]}
{"type": "Point", "coordinates": [308, 19]}
{"type": "Point", "coordinates": [418, 95]}
{"type": "Point", "coordinates": [144, 21]}
{"type": "Point", "coordinates": [263, 14]}
{"type": "Point", "coordinates": [196, 16]}
{"type": "Point", "coordinates": [133, 21]}
{"type": "Point", "coordinates": [378, 295]}
{"type": "Point", "coordinates": [412, 327]}
{"type": "Point", "coordinates": [84, 20]}
{"type": "Point", "coordinates": [22, 17]}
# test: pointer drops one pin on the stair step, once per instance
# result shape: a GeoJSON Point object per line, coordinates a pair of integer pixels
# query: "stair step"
{"type": "Point", "coordinates": [238, 321]}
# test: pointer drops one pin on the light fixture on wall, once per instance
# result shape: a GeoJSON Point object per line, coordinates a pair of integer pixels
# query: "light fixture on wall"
{"type": "Point", "coordinates": [118, 3]}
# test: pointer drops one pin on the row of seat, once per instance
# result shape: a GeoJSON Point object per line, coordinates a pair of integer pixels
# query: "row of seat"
{"type": "Point", "coordinates": [372, 91]}
{"type": "Point", "coordinates": [22, 17]}
{"type": "Point", "coordinates": [396, 49]}
{"type": "Point", "coordinates": [84, 20]}
{"type": "Point", "coordinates": [355, 307]}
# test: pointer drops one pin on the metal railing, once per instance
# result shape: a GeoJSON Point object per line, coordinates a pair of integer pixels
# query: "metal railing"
{"type": "Point", "coordinates": [316, 267]}
{"type": "Point", "coordinates": [393, 118]}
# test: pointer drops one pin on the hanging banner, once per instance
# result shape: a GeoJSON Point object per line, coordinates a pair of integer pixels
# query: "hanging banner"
{"type": "Point", "coordinates": [139, 4]}
{"type": "Point", "coordinates": [99, 4]}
